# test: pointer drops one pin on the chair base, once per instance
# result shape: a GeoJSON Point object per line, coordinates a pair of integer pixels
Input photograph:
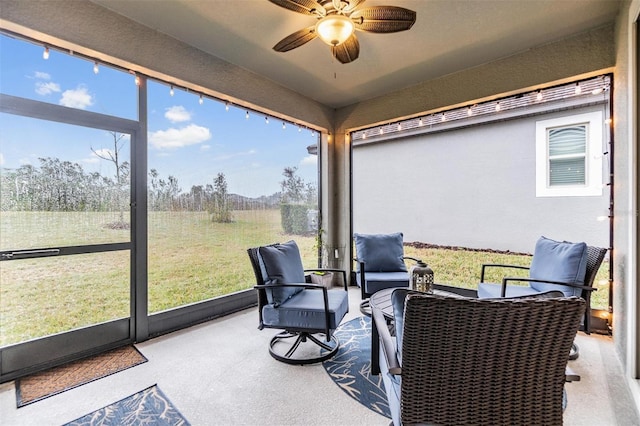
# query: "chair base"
{"type": "Point", "coordinates": [575, 352]}
{"type": "Point", "coordinates": [287, 350]}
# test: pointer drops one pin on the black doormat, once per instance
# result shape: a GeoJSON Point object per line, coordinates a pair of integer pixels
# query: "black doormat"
{"type": "Point", "coordinates": [50, 382]}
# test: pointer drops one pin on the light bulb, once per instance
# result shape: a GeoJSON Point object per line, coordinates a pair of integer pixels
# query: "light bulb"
{"type": "Point", "coordinates": [266, 119]}
{"type": "Point", "coordinates": [96, 70]}
{"type": "Point", "coordinates": [299, 129]}
{"type": "Point", "coordinates": [283, 126]}
{"type": "Point", "coordinates": [226, 106]}
{"type": "Point", "coordinates": [539, 95]}
{"type": "Point", "coordinates": [381, 131]}
{"type": "Point", "coordinates": [334, 29]}
{"type": "Point", "coordinates": [578, 89]}
{"type": "Point", "coordinates": [498, 106]}
{"type": "Point", "coordinates": [399, 127]}
{"type": "Point", "coordinates": [364, 135]}
{"type": "Point", "coordinates": [469, 111]}
{"type": "Point", "coordinates": [45, 54]}
{"type": "Point", "coordinates": [201, 101]}
{"type": "Point", "coordinates": [171, 90]}
{"type": "Point", "coordinates": [246, 115]}
{"type": "Point", "coordinates": [420, 122]}
{"type": "Point", "coordinates": [444, 117]}
{"type": "Point", "coordinates": [136, 79]}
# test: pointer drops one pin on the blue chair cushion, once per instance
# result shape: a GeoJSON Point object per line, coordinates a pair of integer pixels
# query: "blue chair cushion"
{"type": "Point", "coordinates": [492, 291]}
{"type": "Point", "coordinates": [305, 311]}
{"type": "Point", "coordinates": [380, 252]}
{"type": "Point", "coordinates": [558, 261]}
{"type": "Point", "coordinates": [376, 281]}
{"type": "Point", "coordinates": [282, 265]}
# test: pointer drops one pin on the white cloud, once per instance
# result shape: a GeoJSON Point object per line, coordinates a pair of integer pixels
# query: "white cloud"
{"type": "Point", "coordinates": [309, 160]}
{"type": "Point", "coordinates": [176, 114]}
{"type": "Point", "coordinates": [76, 98]}
{"type": "Point", "coordinates": [178, 138]}
{"type": "Point", "coordinates": [91, 160]}
{"type": "Point", "coordinates": [205, 147]}
{"type": "Point", "coordinates": [42, 75]}
{"type": "Point", "coordinates": [47, 88]}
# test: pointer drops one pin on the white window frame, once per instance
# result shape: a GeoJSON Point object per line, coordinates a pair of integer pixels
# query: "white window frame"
{"type": "Point", "coordinates": [593, 156]}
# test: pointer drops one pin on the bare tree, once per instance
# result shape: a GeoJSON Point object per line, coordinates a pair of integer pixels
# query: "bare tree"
{"type": "Point", "coordinates": [122, 171]}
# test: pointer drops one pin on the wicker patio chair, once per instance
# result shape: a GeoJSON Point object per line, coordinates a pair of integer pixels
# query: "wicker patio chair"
{"type": "Point", "coordinates": [464, 361]}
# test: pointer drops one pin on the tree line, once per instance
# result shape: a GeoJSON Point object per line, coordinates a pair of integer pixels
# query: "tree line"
{"type": "Point", "coordinates": [58, 185]}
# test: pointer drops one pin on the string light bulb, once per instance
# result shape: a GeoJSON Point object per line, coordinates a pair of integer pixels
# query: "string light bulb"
{"type": "Point", "coordinates": [498, 106]}
{"type": "Point", "coordinates": [246, 115]}
{"type": "Point", "coordinates": [539, 95]}
{"type": "Point", "coordinates": [266, 119]}
{"type": "Point", "coordinates": [578, 89]}
{"type": "Point", "coordinates": [171, 92]}
{"type": "Point", "coordinates": [399, 126]}
{"type": "Point", "coordinates": [201, 100]}
{"type": "Point", "coordinates": [136, 79]}
{"type": "Point", "coordinates": [420, 123]}
{"type": "Point", "coordinates": [469, 111]}
{"type": "Point", "coordinates": [45, 54]}
{"type": "Point", "coordinates": [96, 69]}
{"type": "Point", "coordinates": [444, 117]}
{"type": "Point", "coordinates": [283, 126]}
{"type": "Point", "coordinates": [226, 106]}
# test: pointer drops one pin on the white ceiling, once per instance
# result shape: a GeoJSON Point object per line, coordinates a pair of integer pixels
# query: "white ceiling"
{"type": "Point", "coordinates": [448, 36]}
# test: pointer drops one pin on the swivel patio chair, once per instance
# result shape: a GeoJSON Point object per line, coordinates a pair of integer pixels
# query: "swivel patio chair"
{"type": "Point", "coordinates": [459, 361]}
{"type": "Point", "coordinates": [568, 267]}
{"type": "Point", "coordinates": [287, 300]}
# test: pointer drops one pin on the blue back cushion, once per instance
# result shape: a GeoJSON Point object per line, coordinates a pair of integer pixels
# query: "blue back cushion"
{"type": "Point", "coordinates": [559, 261]}
{"type": "Point", "coordinates": [282, 265]}
{"type": "Point", "coordinates": [380, 252]}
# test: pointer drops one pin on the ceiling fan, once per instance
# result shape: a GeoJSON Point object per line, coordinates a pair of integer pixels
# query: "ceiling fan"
{"type": "Point", "coordinates": [337, 22]}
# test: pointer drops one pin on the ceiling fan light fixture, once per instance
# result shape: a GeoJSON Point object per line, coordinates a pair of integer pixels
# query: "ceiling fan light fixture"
{"type": "Point", "coordinates": [335, 29]}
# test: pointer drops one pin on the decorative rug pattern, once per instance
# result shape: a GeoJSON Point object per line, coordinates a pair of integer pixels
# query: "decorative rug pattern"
{"type": "Point", "coordinates": [50, 382]}
{"type": "Point", "coordinates": [350, 368]}
{"type": "Point", "coordinates": [147, 407]}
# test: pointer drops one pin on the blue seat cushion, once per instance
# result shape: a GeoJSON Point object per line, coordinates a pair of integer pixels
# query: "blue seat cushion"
{"type": "Point", "coordinates": [491, 290]}
{"type": "Point", "coordinates": [558, 261]}
{"type": "Point", "coordinates": [380, 252]}
{"type": "Point", "coordinates": [376, 281]}
{"type": "Point", "coordinates": [282, 265]}
{"type": "Point", "coordinates": [305, 311]}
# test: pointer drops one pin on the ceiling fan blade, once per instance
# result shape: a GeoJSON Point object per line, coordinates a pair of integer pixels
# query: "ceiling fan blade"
{"type": "Point", "coordinates": [347, 51]}
{"type": "Point", "coordinates": [353, 4]}
{"type": "Point", "coordinates": [306, 7]}
{"type": "Point", "coordinates": [296, 39]}
{"type": "Point", "coordinates": [383, 19]}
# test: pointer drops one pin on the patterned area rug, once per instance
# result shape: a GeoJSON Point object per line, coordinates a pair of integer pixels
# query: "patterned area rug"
{"type": "Point", "coordinates": [59, 379]}
{"type": "Point", "coordinates": [147, 407]}
{"type": "Point", "coordinates": [351, 367]}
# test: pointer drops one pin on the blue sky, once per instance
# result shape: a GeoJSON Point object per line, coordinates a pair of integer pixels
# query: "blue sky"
{"type": "Point", "coordinates": [189, 140]}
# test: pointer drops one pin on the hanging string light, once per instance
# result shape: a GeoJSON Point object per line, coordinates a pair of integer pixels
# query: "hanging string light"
{"type": "Point", "coordinates": [96, 70]}
{"type": "Point", "coordinates": [578, 89]}
{"type": "Point", "coordinates": [45, 54]}
{"type": "Point", "coordinates": [246, 115]}
{"type": "Point", "coordinates": [539, 95]}
{"type": "Point", "coordinates": [201, 100]}
{"type": "Point", "coordinates": [266, 119]}
{"type": "Point", "coordinates": [171, 90]}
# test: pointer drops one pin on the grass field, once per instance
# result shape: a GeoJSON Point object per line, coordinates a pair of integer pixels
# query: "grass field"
{"type": "Point", "coordinates": [190, 259]}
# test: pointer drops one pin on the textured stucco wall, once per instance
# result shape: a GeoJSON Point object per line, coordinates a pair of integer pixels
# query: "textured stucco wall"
{"type": "Point", "coordinates": [471, 187]}
{"type": "Point", "coordinates": [588, 53]}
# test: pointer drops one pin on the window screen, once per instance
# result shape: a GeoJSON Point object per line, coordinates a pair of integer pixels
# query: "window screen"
{"type": "Point", "coordinates": [567, 155]}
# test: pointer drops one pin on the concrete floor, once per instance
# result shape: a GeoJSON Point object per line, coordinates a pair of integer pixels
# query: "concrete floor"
{"type": "Point", "coordinates": [220, 373]}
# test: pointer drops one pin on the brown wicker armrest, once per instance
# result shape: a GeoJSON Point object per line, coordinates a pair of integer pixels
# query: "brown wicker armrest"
{"type": "Point", "coordinates": [386, 341]}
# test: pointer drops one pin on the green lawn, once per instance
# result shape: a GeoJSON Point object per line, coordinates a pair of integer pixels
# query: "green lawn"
{"type": "Point", "coordinates": [190, 259]}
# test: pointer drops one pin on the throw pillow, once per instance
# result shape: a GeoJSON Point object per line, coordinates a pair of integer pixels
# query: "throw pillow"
{"type": "Point", "coordinates": [380, 252]}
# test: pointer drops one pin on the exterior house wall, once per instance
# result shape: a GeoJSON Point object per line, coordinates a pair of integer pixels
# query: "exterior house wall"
{"type": "Point", "coordinates": [472, 187]}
